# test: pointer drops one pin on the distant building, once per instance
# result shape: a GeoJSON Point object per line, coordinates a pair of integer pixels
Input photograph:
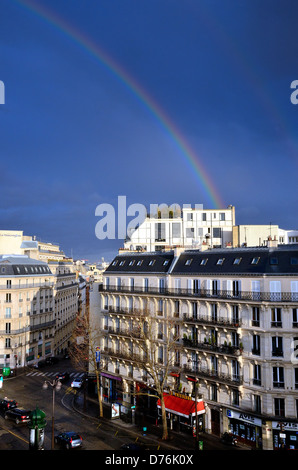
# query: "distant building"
{"type": "Point", "coordinates": [189, 228]}
{"type": "Point", "coordinates": [27, 321]}
{"type": "Point", "coordinates": [199, 228]}
{"type": "Point", "coordinates": [64, 279]}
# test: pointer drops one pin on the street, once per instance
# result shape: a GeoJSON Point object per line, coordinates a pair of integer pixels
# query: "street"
{"type": "Point", "coordinates": [27, 389]}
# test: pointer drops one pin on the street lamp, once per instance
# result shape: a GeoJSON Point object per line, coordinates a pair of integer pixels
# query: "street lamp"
{"type": "Point", "coordinates": [56, 385]}
{"type": "Point", "coordinates": [196, 400]}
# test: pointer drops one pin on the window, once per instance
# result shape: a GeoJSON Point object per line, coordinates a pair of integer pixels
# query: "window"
{"type": "Point", "coordinates": [255, 316]}
{"type": "Point", "coordinates": [203, 261]}
{"type": "Point", "coordinates": [176, 230]}
{"type": "Point", "coordinates": [273, 261]}
{"type": "Point", "coordinates": [188, 262]}
{"type": "Point", "coordinates": [190, 232]}
{"type": "Point", "coordinates": [216, 232]}
{"type": "Point", "coordinates": [296, 377]}
{"type": "Point", "coordinates": [8, 284]}
{"type": "Point", "coordinates": [166, 262]}
{"type": "Point", "coordinates": [139, 263]}
{"type": "Point", "coordinates": [189, 217]}
{"type": "Point", "coordinates": [257, 374]}
{"type": "Point", "coordinates": [256, 403]}
{"type": "Point", "coordinates": [276, 317]}
{"type": "Point", "coordinates": [132, 262]}
{"type": "Point", "coordinates": [277, 346]}
{"type": "Point", "coordinates": [151, 262]}
{"type": "Point", "coordinates": [121, 263]}
{"type": "Point", "coordinates": [235, 397]}
{"type": "Point", "coordinates": [222, 216]}
{"type": "Point", "coordinates": [7, 328]}
{"type": "Point", "coordinates": [294, 261]}
{"type": "Point", "coordinates": [255, 260]}
{"type": "Point", "coordinates": [237, 261]}
{"type": "Point", "coordinates": [278, 377]}
{"type": "Point", "coordinates": [220, 261]}
{"type": "Point", "coordinates": [294, 318]}
{"type": "Point", "coordinates": [256, 345]}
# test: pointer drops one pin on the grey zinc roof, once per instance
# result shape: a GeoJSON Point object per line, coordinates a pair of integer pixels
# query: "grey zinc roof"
{"type": "Point", "coordinates": [140, 263]}
{"type": "Point", "coordinates": [234, 261]}
{"type": "Point", "coordinates": [18, 265]}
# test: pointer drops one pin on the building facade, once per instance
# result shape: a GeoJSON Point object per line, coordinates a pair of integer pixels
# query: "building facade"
{"type": "Point", "coordinates": [26, 311]}
{"type": "Point", "coordinates": [234, 313]}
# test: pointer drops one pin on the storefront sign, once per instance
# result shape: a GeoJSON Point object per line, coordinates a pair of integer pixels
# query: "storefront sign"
{"type": "Point", "coordinates": [244, 417]}
{"type": "Point", "coordinates": [180, 395]}
{"type": "Point", "coordinates": [285, 426]}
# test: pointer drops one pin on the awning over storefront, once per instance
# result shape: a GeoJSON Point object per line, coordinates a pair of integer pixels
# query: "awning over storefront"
{"type": "Point", "coordinates": [109, 376]}
{"type": "Point", "coordinates": [182, 406]}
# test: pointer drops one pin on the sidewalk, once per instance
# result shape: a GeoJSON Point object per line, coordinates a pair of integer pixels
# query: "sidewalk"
{"type": "Point", "coordinates": [152, 437]}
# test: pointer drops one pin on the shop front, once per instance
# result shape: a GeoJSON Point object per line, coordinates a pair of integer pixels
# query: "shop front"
{"type": "Point", "coordinates": [285, 435]}
{"type": "Point", "coordinates": [181, 412]}
{"type": "Point", "coordinates": [247, 428]}
{"type": "Point", "coordinates": [112, 388]}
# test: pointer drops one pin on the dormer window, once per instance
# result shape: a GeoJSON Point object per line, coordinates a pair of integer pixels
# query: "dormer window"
{"type": "Point", "coordinates": [188, 262]}
{"type": "Point", "coordinates": [220, 261]}
{"type": "Point", "coordinates": [151, 262]}
{"type": "Point", "coordinates": [255, 260]}
{"type": "Point", "coordinates": [237, 261]}
{"type": "Point", "coordinates": [203, 261]}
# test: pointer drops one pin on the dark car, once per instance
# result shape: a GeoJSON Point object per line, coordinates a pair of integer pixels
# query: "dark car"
{"type": "Point", "coordinates": [68, 440]}
{"type": "Point", "coordinates": [228, 438]}
{"type": "Point", "coordinates": [52, 360]}
{"type": "Point", "coordinates": [132, 446]}
{"type": "Point", "coordinates": [6, 404]}
{"type": "Point", "coordinates": [19, 415]}
{"type": "Point", "coordinates": [63, 377]}
{"type": "Point", "coordinates": [40, 364]}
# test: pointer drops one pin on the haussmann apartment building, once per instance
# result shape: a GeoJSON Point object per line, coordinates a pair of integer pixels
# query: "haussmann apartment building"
{"type": "Point", "coordinates": [234, 314]}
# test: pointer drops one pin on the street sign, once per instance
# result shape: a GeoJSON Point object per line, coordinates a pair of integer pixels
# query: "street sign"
{"type": "Point", "coordinates": [97, 354]}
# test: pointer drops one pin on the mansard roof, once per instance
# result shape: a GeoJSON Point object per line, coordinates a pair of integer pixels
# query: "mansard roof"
{"type": "Point", "coordinates": [239, 261]}
{"type": "Point", "coordinates": [22, 265]}
{"type": "Point", "coordinates": [280, 260]}
{"type": "Point", "coordinates": [141, 263]}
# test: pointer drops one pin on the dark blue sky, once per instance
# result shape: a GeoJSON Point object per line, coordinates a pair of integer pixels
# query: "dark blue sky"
{"type": "Point", "coordinates": [73, 135]}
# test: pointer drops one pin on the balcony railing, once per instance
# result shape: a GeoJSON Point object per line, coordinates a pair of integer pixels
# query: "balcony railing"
{"type": "Point", "coordinates": [206, 346]}
{"type": "Point", "coordinates": [215, 375]}
{"type": "Point", "coordinates": [206, 293]}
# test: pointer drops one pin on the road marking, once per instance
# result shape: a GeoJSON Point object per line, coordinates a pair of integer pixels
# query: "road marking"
{"type": "Point", "coordinates": [14, 434]}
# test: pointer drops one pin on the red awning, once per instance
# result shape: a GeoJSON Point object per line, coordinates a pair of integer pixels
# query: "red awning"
{"type": "Point", "coordinates": [182, 406]}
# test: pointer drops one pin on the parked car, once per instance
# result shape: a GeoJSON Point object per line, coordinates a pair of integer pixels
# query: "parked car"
{"type": "Point", "coordinates": [133, 447]}
{"type": "Point", "coordinates": [6, 404]}
{"type": "Point", "coordinates": [76, 383]}
{"type": "Point", "coordinates": [19, 415]}
{"type": "Point", "coordinates": [40, 364]}
{"type": "Point", "coordinates": [69, 440]}
{"type": "Point", "coordinates": [63, 377]}
{"type": "Point", "coordinates": [228, 438]}
{"type": "Point", "coordinates": [51, 360]}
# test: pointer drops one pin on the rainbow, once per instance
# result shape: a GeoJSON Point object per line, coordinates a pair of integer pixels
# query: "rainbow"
{"type": "Point", "coordinates": [154, 108]}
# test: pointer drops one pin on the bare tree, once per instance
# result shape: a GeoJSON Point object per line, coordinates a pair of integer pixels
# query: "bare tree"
{"type": "Point", "coordinates": [154, 346]}
{"type": "Point", "coordinates": [84, 349]}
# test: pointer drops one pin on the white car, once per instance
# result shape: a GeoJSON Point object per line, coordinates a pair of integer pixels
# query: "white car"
{"type": "Point", "coordinates": [76, 383]}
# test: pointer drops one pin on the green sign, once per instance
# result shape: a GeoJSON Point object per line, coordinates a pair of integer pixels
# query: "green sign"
{"type": "Point", "coordinates": [200, 445]}
{"type": "Point", "coordinates": [6, 371]}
